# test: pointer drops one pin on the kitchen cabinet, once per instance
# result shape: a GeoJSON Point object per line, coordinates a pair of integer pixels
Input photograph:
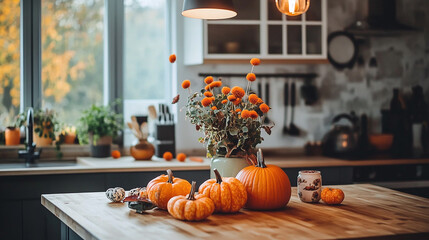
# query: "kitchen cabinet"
{"type": "Point", "coordinates": [259, 30]}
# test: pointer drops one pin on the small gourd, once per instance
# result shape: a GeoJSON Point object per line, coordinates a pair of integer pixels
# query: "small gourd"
{"type": "Point", "coordinates": [164, 187]}
{"type": "Point", "coordinates": [332, 196]}
{"type": "Point", "coordinates": [139, 192]}
{"type": "Point", "coordinates": [191, 207]}
{"type": "Point", "coordinates": [268, 187]}
{"type": "Point", "coordinates": [116, 194]}
{"type": "Point", "coordinates": [228, 194]}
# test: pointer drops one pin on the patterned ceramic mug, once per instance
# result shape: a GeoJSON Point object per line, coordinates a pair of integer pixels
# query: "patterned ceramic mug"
{"type": "Point", "coordinates": [309, 185]}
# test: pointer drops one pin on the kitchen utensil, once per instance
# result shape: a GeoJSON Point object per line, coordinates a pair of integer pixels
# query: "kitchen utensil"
{"type": "Point", "coordinates": [382, 142]}
{"type": "Point", "coordinates": [286, 104]}
{"type": "Point", "coordinates": [152, 112]}
{"type": "Point", "coordinates": [293, 129]}
{"type": "Point", "coordinates": [341, 141]}
{"type": "Point", "coordinates": [309, 92]}
{"type": "Point", "coordinates": [136, 125]}
{"type": "Point", "coordinates": [267, 101]}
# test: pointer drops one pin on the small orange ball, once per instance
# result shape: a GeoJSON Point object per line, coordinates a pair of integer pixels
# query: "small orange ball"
{"type": "Point", "coordinates": [231, 98]}
{"type": "Point", "coordinates": [238, 92]}
{"type": "Point", "coordinates": [214, 108]}
{"type": "Point", "coordinates": [255, 61]}
{"type": "Point", "coordinates": [245, 114]}
{"type": "Point", "coordinates": [208, 94]}
{"type": "Point", "coordinates": [181, 157]}
{"type": "Point", "coordinates": [226, 90]}
{"type": "Point", "coordinates": [172, 58]}
{"type": "Point", "coordinates": [208, 80]}
{"type": "Point", "coordinates": [224, 101]}
{"type": "Point", "coordinates": [251, 77]}
{"type": "Point", "coordinates": [186, 84]}
{"type": "Point", "coordinates": [253, 98]}
{"type": "Point", "coordinates": [206, 101]}
{"type": "Point", "coordinates": [116, 154]}
{"type": "Point", "coordinates": [167, 156]}
{"type": "Point", "coordinates": [253, 114]}
{"type": "Point", "coordinates": [264, 108]}
{"type": "Point", "coordinates": [238, 110]}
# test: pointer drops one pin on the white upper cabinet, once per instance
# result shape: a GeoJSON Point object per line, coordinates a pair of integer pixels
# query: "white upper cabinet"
{"type": "Point", "coordinates": [259, 30]}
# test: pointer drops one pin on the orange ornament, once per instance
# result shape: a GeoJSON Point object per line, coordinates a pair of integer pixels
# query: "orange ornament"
{"type": "Point", "coordinates": [208, 94]}
{"type": "Point", "coordinates": [181, 157]}
{"type": "Point", "coordinates": [332, 196]}
{"type": "Point", "coordinates": [238, 92]}
{"type": "Point", "coordinates": [206, 101]}
{"type": "Point", "coordinates": [214, 108]}
{"type": "Point", "coordinates": [208, 80]}
{"type": "Point", "coordinates": [186, 84]}
{"type": "Point", "coordinates": [116, 154]}
{"type": "Point", "coordinates": [164, 187]}
{"type": "Point", "coordinates": [255, 61]}
{"type": "Point", "coordinates": [264, 108]}
{"type": "Point", "coordinates": [172, 58]}
{"type": "Point", "coordinates": [224, 101]}
{"type": "Point", "coordinates": [253, 98]}
{"type": "Point", "coordinates": [226, 90]}
{"type": "Point", "coordinates": [228, 194]}
{"type": "Point", "coordinates": [268, 187]}
{"type": "Point", "coordinates": [251, 77]}
{"type": "Point", "coordinates": [167, 156]}
{"type": "Point", "coordinates": [215, 84]}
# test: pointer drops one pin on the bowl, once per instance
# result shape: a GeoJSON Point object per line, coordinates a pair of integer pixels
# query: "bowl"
{"type": "Point", "coordinates": [382, 142]}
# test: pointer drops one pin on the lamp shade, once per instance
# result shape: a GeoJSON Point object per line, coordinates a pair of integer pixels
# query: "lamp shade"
{"type": "Point", "coordinates": [208, 9]}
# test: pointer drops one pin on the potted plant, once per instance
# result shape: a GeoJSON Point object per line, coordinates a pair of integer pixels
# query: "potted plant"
{"type": "Point", "coordinates": [231, 120]}
{"type": "Point", "coordinates": [45, 127]}
{"type": "Point", "coordinates": [98, 126]}
{"type": "Point", "coordinates": [12, 133]}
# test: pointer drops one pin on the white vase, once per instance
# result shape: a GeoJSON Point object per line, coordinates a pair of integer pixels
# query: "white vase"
{"type": "Point", "coordinates": [227, 167]}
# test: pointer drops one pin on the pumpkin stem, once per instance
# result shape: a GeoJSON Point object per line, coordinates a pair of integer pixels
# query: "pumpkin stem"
{"type": "Point", "coordinates": [218, 177]}
{"type": "Point", "coordinates": [192, 193]}
{"type": "Point", "coordinates": [261, 161]}
{"type": "Point", "coordinates": [170, 176]}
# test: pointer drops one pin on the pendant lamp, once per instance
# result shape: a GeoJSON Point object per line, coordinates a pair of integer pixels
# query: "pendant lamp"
{"type": "Point", "coordinates": [208, 9]}
{"type": "Point", "coordinates": [293, 7]}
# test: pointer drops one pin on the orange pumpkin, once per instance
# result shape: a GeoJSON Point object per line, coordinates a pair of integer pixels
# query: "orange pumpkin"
{"type": "Point", "coordinates": [228, 194]}
{"type": "Point", "coordinates": [332, 195]}
{"type": "Point", "coordinates": [191, 207]}
{"type": "Point", "coordinates": [268, 186]}
{"type": "Point", "coordinates": [164, 187]}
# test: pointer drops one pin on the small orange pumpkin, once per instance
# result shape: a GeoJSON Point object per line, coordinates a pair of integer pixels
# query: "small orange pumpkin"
{"type": "Point", "coordinates": [268, 186]}
{"type": "Point", "coordinates": [191, 207]}
{"type": "Point", "coordinates": [332, 196]}
{"type": "Point", "coordinates": [164, 187]}
{"type": "Point", "coordinates": [228, 194]}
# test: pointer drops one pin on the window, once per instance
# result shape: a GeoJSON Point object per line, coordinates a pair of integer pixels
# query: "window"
{"type": "Point", "coordinates": [72, 56]}
{"type": "Point", "coordinates": [146, 58]}
{"type": "Point", "coordinates": [9, 60]}
{"type": "Point", "coordinates": [145, 50]}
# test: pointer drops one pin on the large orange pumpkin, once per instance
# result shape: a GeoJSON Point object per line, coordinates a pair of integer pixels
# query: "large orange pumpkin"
{"type": "Point", "coordinates": [164, 187]}
{"type": "Point", "coordinates": [191, 208]}
{"type": "Point", "coordinates": [268, 186]}
{"type": "Point", "coordinates": [228, 194]}
{"type": "Point", "coordinates": [332, 195]}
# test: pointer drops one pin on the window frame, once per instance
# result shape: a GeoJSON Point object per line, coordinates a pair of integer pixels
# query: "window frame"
{"type": "Point", "coordinates": [113, 49]}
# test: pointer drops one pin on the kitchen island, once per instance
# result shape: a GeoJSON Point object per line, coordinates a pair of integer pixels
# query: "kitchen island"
{"type": "Point", "coordinates": [368, 211]}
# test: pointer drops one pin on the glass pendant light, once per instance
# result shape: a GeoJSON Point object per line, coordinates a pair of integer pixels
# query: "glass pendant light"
{"type": "Point", "coordinates": [208, 9]}
{"type": "Point", "coordinates": [293, 7]}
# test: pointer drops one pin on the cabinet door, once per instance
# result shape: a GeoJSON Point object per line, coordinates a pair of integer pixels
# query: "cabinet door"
{"type": "Point", "coordinates": [11, 220]}
{"type": "Point", "coordinates": [260, 30]}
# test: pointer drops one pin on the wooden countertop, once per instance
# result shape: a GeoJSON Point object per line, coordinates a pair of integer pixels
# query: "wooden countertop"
{"type": "Point", "coordinates": [368, 211]}
{"type": "Point", "coordinates": [128, 164]}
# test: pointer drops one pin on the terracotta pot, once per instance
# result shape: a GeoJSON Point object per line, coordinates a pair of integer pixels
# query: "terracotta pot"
{"type": "Point", "coordinates": [101, 149]}
{"type": "Point", "coordinates": [42, 141]}
{"type": "Point", "coordinates": [12, 136]}
{"type": "Point", "coordinates": [144, 150]}
{"type": "Point", "coordinates": [69, 138]}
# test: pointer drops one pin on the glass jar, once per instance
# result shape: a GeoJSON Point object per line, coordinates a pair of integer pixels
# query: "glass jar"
{"type": "Point", "coordinates": [309, 185]}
